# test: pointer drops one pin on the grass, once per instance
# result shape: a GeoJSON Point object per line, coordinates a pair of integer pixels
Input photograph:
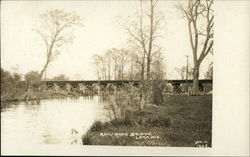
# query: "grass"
{"type": "Point", "coordinates": [180, 121]}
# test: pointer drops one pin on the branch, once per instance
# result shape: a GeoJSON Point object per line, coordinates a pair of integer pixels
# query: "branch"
{"type": "Point", "coordinates": [136, 38]}
{"type": "Point", "coordinates": [205, 53]}
{"type": "Point", "coordinates": [155, 3]}
{"type": "Point", "coordinates": [190, 36]}
{"type": "Point", "coordinates": [203, 34]}
{"type": "Point", "coordinates": [43, 37]}
{"type": "Point", "coordinates": [209, 48]}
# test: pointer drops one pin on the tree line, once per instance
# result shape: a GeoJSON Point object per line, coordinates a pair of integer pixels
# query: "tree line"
{"type": "Point", "coordinates": [13, 83]}
{"type": "Point", "coordinates": [125, 64]}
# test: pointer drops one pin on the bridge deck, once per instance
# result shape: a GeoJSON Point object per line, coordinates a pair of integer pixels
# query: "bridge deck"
{"type": "Point", "coordinates": [124, 81]}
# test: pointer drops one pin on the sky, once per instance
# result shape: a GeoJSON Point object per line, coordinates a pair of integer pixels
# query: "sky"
{"type": "Point", "coordinates": [22, 49]}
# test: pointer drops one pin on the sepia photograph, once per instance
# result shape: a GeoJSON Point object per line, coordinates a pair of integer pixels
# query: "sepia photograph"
{"type": "Point", "coordinates": [107, 73]}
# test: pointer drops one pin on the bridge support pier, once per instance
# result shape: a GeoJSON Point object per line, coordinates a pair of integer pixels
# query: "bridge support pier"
{"type": "Point", "coordinates": [68, 87]}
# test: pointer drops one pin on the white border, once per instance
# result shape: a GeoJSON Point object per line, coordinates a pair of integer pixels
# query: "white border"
{"type": "Point", "coordinates": [230, 99]}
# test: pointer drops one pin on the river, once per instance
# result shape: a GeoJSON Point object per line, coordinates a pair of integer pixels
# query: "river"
{"type": "Point", "coordinates": [50, 121]}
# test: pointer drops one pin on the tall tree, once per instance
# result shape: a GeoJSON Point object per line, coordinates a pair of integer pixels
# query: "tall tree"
{"type": "Point", "coordinates": [32, 77]}
{"type": "Point", "coordinates": [108, 59]}
{"type": "Point", "coordinates": [200, 18]}
{"type": "Point", "coordinates": [113, 59]}
{"type": "Point", "coordinates": [98, 59]}
{"type": "Point", "coordinates": [120, 58]}
{"type": "Point", "coordinates": [144, 31]}
{"type": "Point", "coordinates": [132, 57]}
{"type": "Point", "coordinates": [56, 30]}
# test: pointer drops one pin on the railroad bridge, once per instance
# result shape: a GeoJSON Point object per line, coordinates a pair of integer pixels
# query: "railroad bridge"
{"type": "Point", "coordinates": [101, 85]}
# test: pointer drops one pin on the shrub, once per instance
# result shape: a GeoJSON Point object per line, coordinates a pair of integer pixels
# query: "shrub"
{"type": "Point", "coordinates": [87, 139]}
{"type": "Point", "coordinates": [158, 88]}
{"type": "Point", "coordinates": [122, 105]}
{"type": "Point", "coordinates": [96, 126]}
{"type": "Point", "coordinates": [10, 84]}
{"type": "Point", "coordinates": [33, 77]}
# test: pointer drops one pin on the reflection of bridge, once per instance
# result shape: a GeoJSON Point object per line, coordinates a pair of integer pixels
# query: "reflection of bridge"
{"type": "Point", "coordinates": [102, 84]}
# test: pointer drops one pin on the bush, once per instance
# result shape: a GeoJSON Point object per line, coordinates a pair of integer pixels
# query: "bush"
{"type": "Point", "coordinates": [122, 105]}
{"type": "Point", "coordinates": [10, 83]}
{"type": "Point", "coordinates": [87, 139]}
{"type": "Point", "coordinates": [32, 77]}
{"type": "Point", "coordinates": [158, 88]}
{"type": "Point", "coordinates": [96, 126]}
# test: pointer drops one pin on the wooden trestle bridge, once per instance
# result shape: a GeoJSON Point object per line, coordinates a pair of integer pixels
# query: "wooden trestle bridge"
{"type": "Point", "coordinates": [84, 86]}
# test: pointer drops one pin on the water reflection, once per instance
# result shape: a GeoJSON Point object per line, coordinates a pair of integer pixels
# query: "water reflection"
{"type": "Point", "coordinates": [55, 121]}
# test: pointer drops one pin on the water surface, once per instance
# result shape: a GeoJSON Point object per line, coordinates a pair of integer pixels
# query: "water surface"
{"type": "Point", "coordinates": [53, 121]}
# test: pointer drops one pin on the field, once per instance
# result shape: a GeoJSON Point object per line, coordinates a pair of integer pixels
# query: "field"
{"type": "Point", "coordinates": [182, 121]}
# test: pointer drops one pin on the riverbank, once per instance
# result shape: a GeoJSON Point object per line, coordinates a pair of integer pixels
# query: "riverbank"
{"type": "Point", "coordinates": [21, 95]}
{"type": "Point", "coordinates": [182, 121]}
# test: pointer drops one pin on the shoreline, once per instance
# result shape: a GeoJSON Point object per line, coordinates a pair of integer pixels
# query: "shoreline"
{"type": "Point", "coordinates": [41, 96]}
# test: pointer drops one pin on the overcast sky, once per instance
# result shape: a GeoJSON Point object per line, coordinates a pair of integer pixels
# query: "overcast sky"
{"type": "Point", "coordinates": [23, 48]}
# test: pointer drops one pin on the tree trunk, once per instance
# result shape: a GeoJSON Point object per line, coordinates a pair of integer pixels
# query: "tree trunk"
{"type": "Point", "coordinates": [196, 78]}
{"type": "Point", "coordinates": [131, 71]}
{"type": "Point", "coordinates": [44, 69]}
{"type": "Point", "coordinates": [109, 71]}
{"type": "Point", "coordinates": [122, 73]}
{"type": "Point", "coordinates": [148, 67]}
{"type": "Point", "coordinates": [150, 39]}
{"type": "Point", "coordinates": [143, 68]}
{"type": "Point", "coordinates": [49, 55]}
{"type": "Point", "coordinates": [142, 101]}
{"type": "Point", "coordinates": [143, 84]}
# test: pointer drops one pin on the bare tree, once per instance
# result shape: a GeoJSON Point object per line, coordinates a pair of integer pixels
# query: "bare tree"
{"type": "Point", "coordinates": [132, 57]}
{"type": "Point", "coordinates": [113, 59]}
{"type": "Point", "coordinates": [100, 66]}
{"type": "Point", "coordinates": [96, 62]}
{"type": "Point", "coordinates": [120, 58]}
{"type": "Point", "coordinates": [158, 66]}
{"type": "Point", "coordinates": [144, 31]}
{"type": "Point", "coordinates": [56, 30]}
{"type": "Point", "coordinates": [103, 67]}
{"type": "Point", "coordinates": [108, 59]}
{"type": "Point", "coordinates": [124, 58]}
{"type": "Point", "coordinates": [183, 70]}
{"type": "Point", "coordinates": [199, 15]}
{"type": "Point", "coordinates": [137, 61]}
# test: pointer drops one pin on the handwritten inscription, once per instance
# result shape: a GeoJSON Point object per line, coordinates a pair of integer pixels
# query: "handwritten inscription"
{"type": "Point", "coordinates": [136, 135]}
{"type": "Point", "coordinates": [201, 144]}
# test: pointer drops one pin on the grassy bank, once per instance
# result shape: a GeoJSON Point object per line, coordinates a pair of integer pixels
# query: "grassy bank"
{"type": "Point", "coordinates": [180, 121]}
